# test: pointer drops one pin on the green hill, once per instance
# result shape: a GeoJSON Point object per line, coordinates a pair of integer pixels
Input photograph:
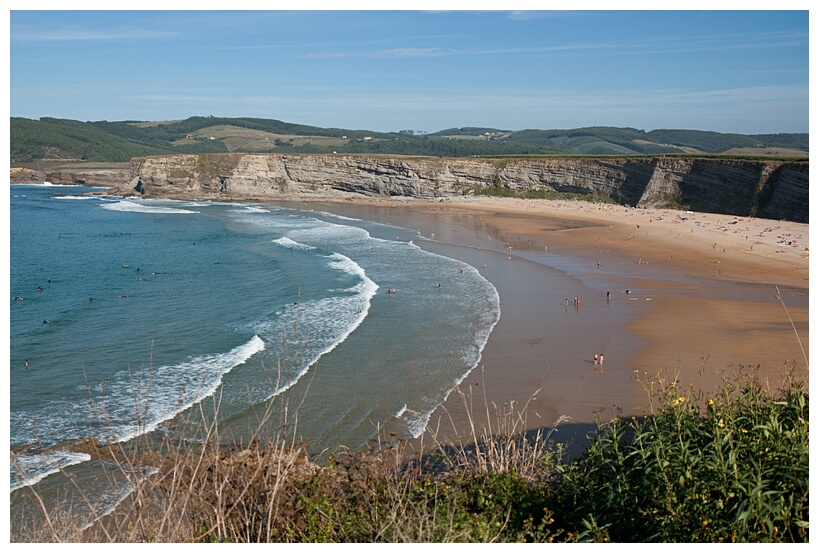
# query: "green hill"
{"type": "Point", "coordinates": [50, 139]}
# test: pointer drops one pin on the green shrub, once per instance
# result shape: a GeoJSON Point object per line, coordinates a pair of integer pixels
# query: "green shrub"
{"type": "Point", "coordinates": [729, 468]}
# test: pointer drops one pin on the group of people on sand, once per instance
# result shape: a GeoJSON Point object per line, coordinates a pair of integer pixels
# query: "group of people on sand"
{"type": "Point", "coordinates": [598, 362]}
{"type": "Point", "coordinates": [576, 302]}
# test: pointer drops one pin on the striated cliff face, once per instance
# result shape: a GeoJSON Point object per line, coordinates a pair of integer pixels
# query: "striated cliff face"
{"type": "Point", "coordinates": [768, 189]}
{"type": "Point", "coordinates": [86, 177]}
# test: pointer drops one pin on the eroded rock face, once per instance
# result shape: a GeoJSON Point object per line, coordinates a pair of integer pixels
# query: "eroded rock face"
{"type": "Point", "coordinates": [87, 177]}
{"type": "Point", "coordinates": [772, 189]}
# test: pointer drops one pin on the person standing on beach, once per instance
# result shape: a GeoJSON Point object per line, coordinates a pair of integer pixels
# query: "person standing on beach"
{"type": "Point", "coordinates": [595, 359]}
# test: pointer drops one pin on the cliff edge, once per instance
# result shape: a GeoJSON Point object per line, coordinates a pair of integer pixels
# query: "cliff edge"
{"type": "Point", "coordinates": [766, 189]}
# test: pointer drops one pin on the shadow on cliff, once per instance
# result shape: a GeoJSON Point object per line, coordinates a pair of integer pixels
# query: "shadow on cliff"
{"type": "Point", "coordinates": [638, 176]}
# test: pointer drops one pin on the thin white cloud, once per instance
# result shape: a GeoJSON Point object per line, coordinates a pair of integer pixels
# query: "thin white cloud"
{"type": "Point", "coordinates": [174, 99]}
{"type": "Point", "coordinates": [655, 46]}
{"type": "Point", "coordinates": [411, 53]}
{"type": "Point", "coordinates": [77, 35]}
{"type": "Point", "coordinates": [529, 15]}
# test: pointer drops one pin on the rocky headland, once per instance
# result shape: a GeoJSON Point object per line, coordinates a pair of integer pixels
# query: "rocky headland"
{"type": "Point", "coordinates": [756, 188]}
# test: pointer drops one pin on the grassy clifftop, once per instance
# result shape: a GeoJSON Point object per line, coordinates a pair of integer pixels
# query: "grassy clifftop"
{"type": "Point", "coordinates": [117, 141]}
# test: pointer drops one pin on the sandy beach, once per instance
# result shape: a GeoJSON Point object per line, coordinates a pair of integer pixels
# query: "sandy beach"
{"type": "Point", "coordinates": [691, 294]}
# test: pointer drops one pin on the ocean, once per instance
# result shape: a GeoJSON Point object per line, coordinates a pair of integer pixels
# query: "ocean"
{"type": "Point", "coordinates": [126, 312]}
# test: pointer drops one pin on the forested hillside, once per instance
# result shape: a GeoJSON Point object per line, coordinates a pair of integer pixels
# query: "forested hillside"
{"type": "Point", "coordinates": [119, 141]}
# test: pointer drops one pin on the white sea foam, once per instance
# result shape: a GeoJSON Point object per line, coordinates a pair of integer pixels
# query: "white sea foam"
{"type": "Point", "coordinates": [417, 421]}
{"type": "Point", "coordinates": [207, 370]}
{"type": "Point", "coordinates": [351, 219]}
{"type": "Point", "coordinates": [339, 217]}
{"type": "Point", "coordinates": [347, 265]}
{"type": "Point", "coordinates": [108, 504]}
{"type": "Point", "coordinates": [282, 222]}
{"type": "Point", "coordinates": [29, 468]}
{"type": "Point", "coordinates": [292, 244]}
{"type": "Point", "coordinates": [329, 232]}
{"type": "Point", "coordinates": [331, 320]}
{"type": "Point", "coordinates": [125, 205]}
{"type": "Point", "coordinates": [161, 395]}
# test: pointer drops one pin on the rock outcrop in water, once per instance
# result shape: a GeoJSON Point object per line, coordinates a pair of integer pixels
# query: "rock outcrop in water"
{"type": "Point", "coordinates": [767, 189]}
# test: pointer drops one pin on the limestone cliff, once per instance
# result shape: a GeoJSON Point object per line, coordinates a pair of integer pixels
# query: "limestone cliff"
{"type": "Point", "coordinates": [86, 177]}
{"type": "Point", "coordinates": [768, 189]}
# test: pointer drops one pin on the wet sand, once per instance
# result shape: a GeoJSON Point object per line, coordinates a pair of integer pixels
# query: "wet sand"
{"type": "Point", "coordinates": [701, 304]}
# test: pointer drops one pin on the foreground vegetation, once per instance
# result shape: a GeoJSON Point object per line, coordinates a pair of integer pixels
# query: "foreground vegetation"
{"type": "Point", "coordinates": [728, 467]}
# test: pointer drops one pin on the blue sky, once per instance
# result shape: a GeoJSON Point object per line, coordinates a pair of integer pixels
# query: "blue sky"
{"type": "Point", "coordinates": [725, 71]}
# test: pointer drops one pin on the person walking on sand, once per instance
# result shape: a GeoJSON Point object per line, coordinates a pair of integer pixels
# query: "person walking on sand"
{"type": "Point", "coordinates": [595, 359]}
{"type": "Point", "coordinates": [601, 363]}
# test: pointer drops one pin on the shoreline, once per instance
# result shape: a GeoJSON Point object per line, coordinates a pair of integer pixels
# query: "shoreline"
{"type": "Point", "coordinates": [684, 314]}
{"type": "Point", "coordinates": [702, 304]}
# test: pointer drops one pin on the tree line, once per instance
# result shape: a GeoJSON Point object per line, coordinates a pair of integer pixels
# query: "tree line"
{"type": "Point", "coordinates": [117, 141]}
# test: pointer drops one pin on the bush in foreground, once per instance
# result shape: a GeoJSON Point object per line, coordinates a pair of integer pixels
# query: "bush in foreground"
{"type": "Point", "coordinates": [728, 468]}
{"type": "Point", "coordinates": [732, 467]}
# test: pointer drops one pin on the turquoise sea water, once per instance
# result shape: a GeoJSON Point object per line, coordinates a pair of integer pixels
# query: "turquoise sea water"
{"type": "Point", "coordinates": [132, 311]}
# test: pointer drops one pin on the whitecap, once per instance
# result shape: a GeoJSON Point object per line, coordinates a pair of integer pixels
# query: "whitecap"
{"type": "Point", "coordinates": [286, 242]}
{"type": "Point", "coordinates": [196, 204]}
{"type": "Point", "coordinates": [208, 370]}
{"type": "Point", "coordinates": [330, 320]}
{"type": "Point", "coordinates": [125, 205]}
{"type": "Point", "coordinates": [109, 504]}
{"type": "Point", "coordinates": [167, 391]}
{"type": "Point", "coordinates": [29, 468]}
{"type": "Point", "coordinates": [414, 421]}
